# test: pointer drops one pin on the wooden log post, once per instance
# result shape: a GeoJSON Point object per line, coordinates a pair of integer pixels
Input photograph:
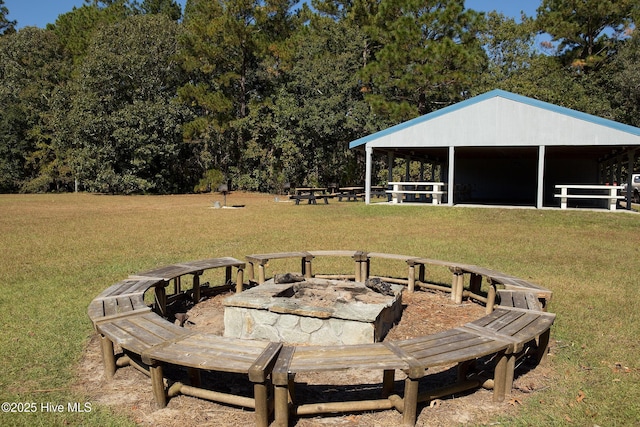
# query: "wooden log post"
{"type": "Point", "coordinates": [306, 266]}
{"type": "Point", "coordinates": [388, 378]}
{"type": "Point", "coordinates": [227, 274]}
{"type": "Point", "coordinates": [161, 300]}
{"type": "Point", "coordinates": [108, 357]}
{"type": "Point", "coordinates": [475, 283]}
{"type": "Point", "coordinates": [411, 276]}
{"type": "Point", "coordinates": [239, 280]}
{"type": "Point", "coordinates": [410, 412]}
{"type": "Point", "coordinates": [543, 344]}
{"type": "Point", "coordinates": [362, 266]}
{"type": "Point", "coordinates": [491, 298]}
{"type": "Point", "coordinates": [500, 377]}
{"type": "Point", "coordinates": [157, 382]}
{"type": "Point", "coordinates": [457, 284]}
{"type": "Point", "coordinates": [196, 287]}
{"type": "Point", "coordinates": [260, 394]}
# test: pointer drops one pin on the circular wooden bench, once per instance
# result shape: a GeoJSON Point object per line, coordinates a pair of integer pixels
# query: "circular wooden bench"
{"type": "Point", "coordinates": [516, 322]}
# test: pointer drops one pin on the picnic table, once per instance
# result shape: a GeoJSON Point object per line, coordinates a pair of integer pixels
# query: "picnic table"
{"type": "Point", "coordinates": [350, 193]}
{"type": "Point", "coordinates": [413, 189]}
{"type": "Point", "coordinates": [310, 194]}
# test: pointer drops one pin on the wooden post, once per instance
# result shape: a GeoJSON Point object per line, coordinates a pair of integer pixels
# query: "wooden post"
{"type": "Point", "coordinates": [457, 285]}
{"type": "Point", "coordinates": [387, 382]}
{"type": "Point", "coordinates": [177, 285]}
{"type": "Point", "coordinates": [491, 298]}
{"type": "Point", "coordinates": [412, 277]}
{"type": "Point", "coordinates": [500, 377]}
{"type": "Point", "coordinates": [251, 272]}
{"type": "Point", "coordinates": [239, 280]}
{"type": "Point", "coordinates": [459, 288]}
{"type": "Point", "coordinates": [261, 406]}
{"type": "Point", "coordinates": [196, 287]}
{"type": "Point", "coordinates": [306, 262]}
{"type": "Point", "coordinates": [281, 406]}
{"type": "Point", "coordinates": [362, 266]}
{"type": "Point", "coordinates": [543, 343]}
{"type": "Point", "coordinates": [410, 402]}
{"type": "Point", "coordinates": [475, 283]}
{"type": "Point", "coordinates": [161, 300]}
{"type": "Point", "coordinates": [157, 382]}
{"type": "Point", "coordinates": [194, 377]}
{"type": "Point", "coordinates": [108, 357]}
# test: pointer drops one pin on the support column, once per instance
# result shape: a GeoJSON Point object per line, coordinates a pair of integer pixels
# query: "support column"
{"type": "Point", "coordinates": [407, 168]}
{"type": "Point", "coordinates": [391, 161]}
{"type": "Point", "coordinates": [541, 158]}
{"type": "Point", "coordinates": [630, 163]}
{"type": "Point", "coordinates": [108, 357]}
{"type": "Point", "coordinates": [450, 183]}
{"type": "Point", "coordinates": [367, 176]}
{"type": "Point", "coordinates": [157, 383]}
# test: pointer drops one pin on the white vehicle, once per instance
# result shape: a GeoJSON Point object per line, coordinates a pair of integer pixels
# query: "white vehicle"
{"type": "Point", "coordinates": [635, 185]}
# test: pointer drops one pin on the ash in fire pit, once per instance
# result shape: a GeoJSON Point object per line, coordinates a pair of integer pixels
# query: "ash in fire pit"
{"type": "Point", "coordinates": [313, 311]}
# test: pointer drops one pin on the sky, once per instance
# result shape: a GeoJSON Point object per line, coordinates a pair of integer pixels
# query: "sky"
{"type": "Point", "coordinates": [39, 13]}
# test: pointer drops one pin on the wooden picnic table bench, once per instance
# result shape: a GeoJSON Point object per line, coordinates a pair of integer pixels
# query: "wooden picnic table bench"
{"type": "Point", "coordinates": [200, 351]}
{"type": "Point", "coordinates": [311, 195]}
{"type": "Point", "coordinates": [607, 193]}
{"type": "Point", "coordinates": [350, 193]}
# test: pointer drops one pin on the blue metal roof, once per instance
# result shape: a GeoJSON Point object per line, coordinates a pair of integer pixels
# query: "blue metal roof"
{"type": "Point", "coordinates": [503, 94]}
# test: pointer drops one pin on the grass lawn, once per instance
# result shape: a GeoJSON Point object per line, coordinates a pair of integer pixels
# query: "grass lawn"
{"type": "Point", "coordinates": [60, 251]}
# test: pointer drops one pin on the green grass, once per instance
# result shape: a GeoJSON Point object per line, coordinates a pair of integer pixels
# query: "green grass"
{"type": "Point", "coordinates": [60, 251]}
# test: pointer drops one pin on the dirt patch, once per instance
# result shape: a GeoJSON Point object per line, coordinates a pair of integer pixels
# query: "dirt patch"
{"type": "Point", "coordinates": [425, 313]}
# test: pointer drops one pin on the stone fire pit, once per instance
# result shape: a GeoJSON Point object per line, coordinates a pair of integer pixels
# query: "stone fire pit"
{"type": "Point", "coordinates": [313, 311]}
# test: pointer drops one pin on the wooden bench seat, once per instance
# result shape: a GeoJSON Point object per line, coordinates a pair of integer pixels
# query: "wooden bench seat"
{"type": "Point", "coordinates": [124, 298]}
{"type": "Point", "coordinates": [105, 309]}
{"type": "Point", "coordinates": [196, 269]}
{"type": "Point", "coordinates": [523, 327]}
{"type": "Point", "coordinates": [135, 334]}
{"type": "Point", "coordinates": [524, 300]}
{"type": "Point", "coordinates": [302, 359]}
{"type": "Point", "coordinates": [200, 351]}
{"type": "Point", "coordinates": [452, 347]}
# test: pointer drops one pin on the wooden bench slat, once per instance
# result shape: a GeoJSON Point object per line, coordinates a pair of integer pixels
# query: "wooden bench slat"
{"type": "Point", "coordinates": [364, 356]}
{"type": "Point", "coordinates": [206, 264]}
{"type": "Point", "coordinates": [140, 332]}
{"type": "Point", "coordinates": [264, 258]}
{"type": "Point", "coordinates": [212, 352]}
{"type": "Point", "coordinates": [126, 287]}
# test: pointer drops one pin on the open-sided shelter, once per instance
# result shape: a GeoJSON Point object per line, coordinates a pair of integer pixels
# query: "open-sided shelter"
{"type": "Point", "coordinates": [508, 149]}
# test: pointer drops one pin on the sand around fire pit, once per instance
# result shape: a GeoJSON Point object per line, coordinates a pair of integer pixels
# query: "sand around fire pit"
{"type": "Point", "coordinates": [424, 313]}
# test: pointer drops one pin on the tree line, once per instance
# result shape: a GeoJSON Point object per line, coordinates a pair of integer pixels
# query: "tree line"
{"type": "Point", "coordinates": [125, 96]}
